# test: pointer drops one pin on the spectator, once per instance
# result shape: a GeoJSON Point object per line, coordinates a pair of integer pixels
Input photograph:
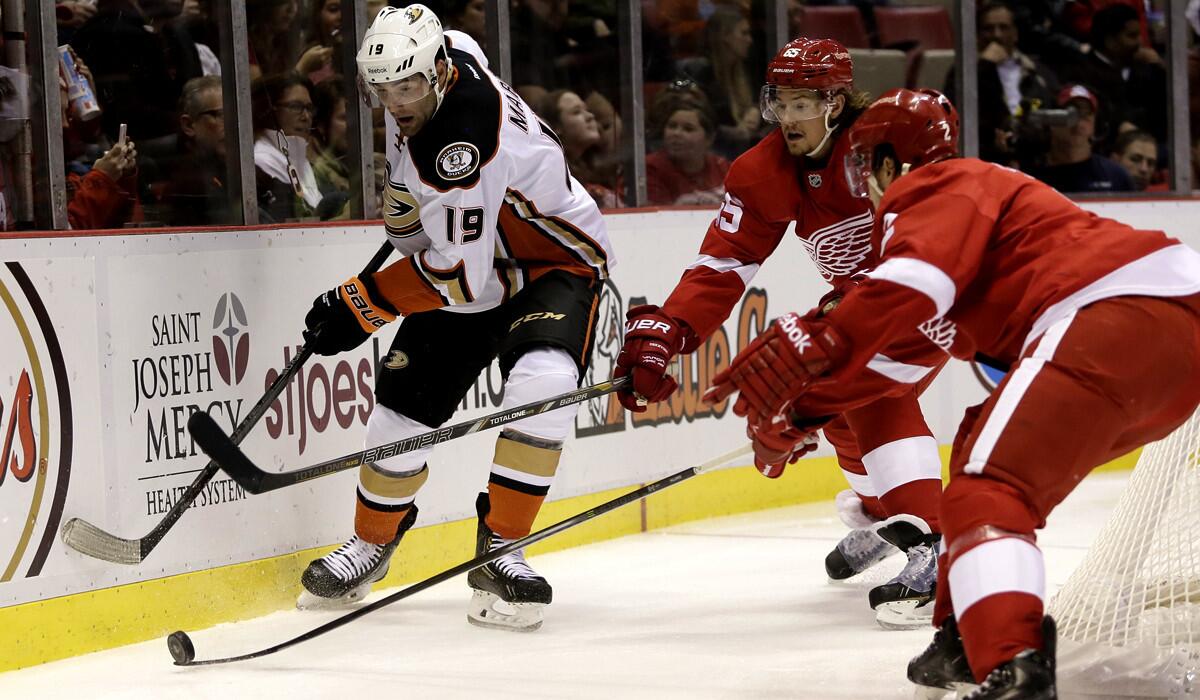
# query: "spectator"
{"type": "Point", "coordinates": [608, 156]}
{"type": "Point", "coordinates": [657, 113]}
{"type": "Point", "coordinates": [271, 29]}
{"type": "Point", "coordinates": [72, 15]}
{"type": "Point", "coordinates": [324, 41]}
{"type": "Point", "coordinates": [331, 147]}
{"type": "Point", "coordinates": [1071, 166]}
{"type": "Point", "coordinates": [196, 21]}
{"type": "Point", "coordinates": [576, 127]}
{"type": "Point", "coordinates": [1128, 78]}
{"type": "Point", "coordinates": [140, 69]}
{"type": "Point", "coordinates": [468, 16]}
{"type": "Point", "coordinates": [1195, 154]}
{"type": "Point", "coordinates": [287, 186]}
{"type": "Point", "coordinates": [1137, 152]}
{"type": "Point", "coordinates": [196, 194]}
{"type": "Point", "coordinates": [1010, 83]}
{"type": "Point", "coordinates": [725, 78]}
{"type": "Point", "coordinates": [540, 48]}
{"type": "Point", "coordinates": [104, 196]}
{"type": "Point", "coordinates": [686, 171]}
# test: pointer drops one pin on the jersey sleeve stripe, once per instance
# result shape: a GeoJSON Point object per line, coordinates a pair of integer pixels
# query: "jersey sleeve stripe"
{"type": "Point", "coordinates": [920, 276]}
{"type": "Point", "coordinates": [451, 284]}
{"type": "Point", "coordinates": [746, 271]}
{"type": "Point", "coordinates": [558, 230]}
{"type": "Point", "coordinates": [897, 371]}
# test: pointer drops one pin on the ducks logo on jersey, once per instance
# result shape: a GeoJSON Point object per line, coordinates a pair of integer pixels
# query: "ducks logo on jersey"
{"type": "Point", "coordinates": [457, 160]}
{"type": "Point", "coordinates": [401, 214]}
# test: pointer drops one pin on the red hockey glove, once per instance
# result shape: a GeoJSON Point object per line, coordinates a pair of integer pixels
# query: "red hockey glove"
{"type": "Point", "coordinates": [777, 367]}
{"type": "Point", "coordinates": [779, 442]}
{"type": "Point", "coordinates": [652, 339]}
{"type": "Point", "coordinates": [345, 316]}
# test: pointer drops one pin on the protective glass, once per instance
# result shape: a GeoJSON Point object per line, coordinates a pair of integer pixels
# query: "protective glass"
{"type": "Point", "coordinates": [780, 104]}
{"type": "Point", "coordinates": [858, 173]}
{"type": "Point", "coordinates": [400, 92]}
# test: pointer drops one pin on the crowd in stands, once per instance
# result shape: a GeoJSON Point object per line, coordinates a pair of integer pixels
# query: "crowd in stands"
{"type": "Point", "coordinates": [1073, 92]}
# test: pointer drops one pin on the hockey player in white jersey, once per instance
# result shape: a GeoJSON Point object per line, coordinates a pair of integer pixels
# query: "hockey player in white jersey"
{"type": "Point", "coordinates": [505, 256]}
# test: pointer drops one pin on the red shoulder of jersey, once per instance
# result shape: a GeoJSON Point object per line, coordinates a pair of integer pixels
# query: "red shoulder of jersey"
{"type": "Point", "coordinates": [764, 180]}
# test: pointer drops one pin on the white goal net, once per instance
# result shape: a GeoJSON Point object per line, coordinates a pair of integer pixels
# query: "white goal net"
{"type": "Point", "coordinates": [1129, 616]}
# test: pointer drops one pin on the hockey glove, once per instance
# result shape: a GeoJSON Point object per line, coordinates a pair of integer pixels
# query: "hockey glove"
{"type": "Point", "coordinates": [345, 316]}
{"type": "Point", "coordinates": [779, 442]}
{"type": "Point", "coordinates": [652, 339]}
{"type": "Point", "coordinates": [777, 367]}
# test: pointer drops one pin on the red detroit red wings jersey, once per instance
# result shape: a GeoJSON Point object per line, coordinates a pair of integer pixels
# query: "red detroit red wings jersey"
{"type": "Point", "coordinates": [1000, 255]}
{"type": "Point", "coordinates": [767, 188]}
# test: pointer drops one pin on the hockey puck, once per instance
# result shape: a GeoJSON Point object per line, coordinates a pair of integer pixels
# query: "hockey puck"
{"type": "Point", "coordinates": [180, 646]}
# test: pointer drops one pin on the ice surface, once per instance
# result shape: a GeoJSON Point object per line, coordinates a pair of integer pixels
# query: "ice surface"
{"type": "Point", "coordinates": [734, 607]}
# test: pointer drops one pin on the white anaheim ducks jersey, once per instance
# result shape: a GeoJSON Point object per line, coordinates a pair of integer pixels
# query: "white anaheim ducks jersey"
{"type": "Point", "coordinates": [481, 198]}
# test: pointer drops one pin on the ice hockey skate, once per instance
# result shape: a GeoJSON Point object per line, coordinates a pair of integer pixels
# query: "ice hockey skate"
{"type": "Point", "coordinates": [858, 551]}
{"type": "Point", "coordinates": [941, 671]}
{"type": "Point", "coordinates": [906, 601]}
{"type": "Point", "coordinates": [345, 575]}
{"type": "Point", "coordinates": [1029, 676]}
{"type": "Point", "coordinates": [508, 594]}
{"type": "Point", "coordinates": [861, 548]}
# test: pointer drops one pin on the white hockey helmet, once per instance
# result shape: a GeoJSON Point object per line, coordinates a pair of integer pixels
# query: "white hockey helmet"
{"type": "Point", "coordinates": [401, 43]}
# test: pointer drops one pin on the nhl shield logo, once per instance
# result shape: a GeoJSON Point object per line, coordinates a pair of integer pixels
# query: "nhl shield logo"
{"type": "Point", "coordinates": [814, 179]}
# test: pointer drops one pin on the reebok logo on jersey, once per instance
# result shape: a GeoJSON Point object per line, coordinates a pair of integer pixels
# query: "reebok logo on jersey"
{"type": "Point", "coordinates": [799, 337]}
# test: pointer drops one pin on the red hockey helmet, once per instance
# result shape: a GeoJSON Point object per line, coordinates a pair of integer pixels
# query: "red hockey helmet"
{"type": "Point", "coordinates": [812, 64]}
{"type": "Point", "coordinates": [921, 125]}
{"type": "Point", "coordinates": [820, 65]}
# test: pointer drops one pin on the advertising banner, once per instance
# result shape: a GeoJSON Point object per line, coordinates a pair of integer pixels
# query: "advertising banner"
{"type": "Point", "coordinates": [109, 344]}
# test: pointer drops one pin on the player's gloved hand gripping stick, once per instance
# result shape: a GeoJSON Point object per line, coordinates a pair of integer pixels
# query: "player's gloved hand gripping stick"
{"type": "Point", "coordinates": [224, 451]}
{"type": "Point", "coordinates": [89, 539]}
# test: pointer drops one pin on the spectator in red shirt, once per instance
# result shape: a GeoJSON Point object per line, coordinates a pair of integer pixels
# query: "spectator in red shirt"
{"type": "Point", "coordinates": [106, 195]}
{"type": "Point", "coordinates": [685, 170]}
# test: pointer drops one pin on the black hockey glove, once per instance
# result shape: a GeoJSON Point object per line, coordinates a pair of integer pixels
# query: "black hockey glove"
{"type": "Point", "coordinates": [345, 316]}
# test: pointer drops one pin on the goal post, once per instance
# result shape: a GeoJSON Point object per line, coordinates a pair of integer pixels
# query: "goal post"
{"type": "Point", "coordinates": [1129, 616]}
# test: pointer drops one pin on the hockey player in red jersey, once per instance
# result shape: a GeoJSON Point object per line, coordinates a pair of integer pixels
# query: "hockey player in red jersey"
{"type": "Point", "coordinates": [1066, 299]}
{"type": "Point", "coordinates": [795, 175]}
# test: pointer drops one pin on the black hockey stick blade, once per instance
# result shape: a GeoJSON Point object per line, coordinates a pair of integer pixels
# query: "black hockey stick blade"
{"type": "Point", "coordinates": [242, 469]}
{"type": "Point", "coordinates": [224, 452]}
{"type": "Point", "coordinates": [184, 652]}
{"type": "Point", "coordinates": [84, 537]}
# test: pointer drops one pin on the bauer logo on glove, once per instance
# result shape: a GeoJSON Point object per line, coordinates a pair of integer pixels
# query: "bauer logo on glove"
{"type": "Point", "coordinates": [342, 318]}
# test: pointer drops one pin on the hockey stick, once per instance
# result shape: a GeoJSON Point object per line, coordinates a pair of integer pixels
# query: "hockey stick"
{"type": "Point", "coordinates": [184, 652]}
{"type": "Point", "coordinates": [82, 536]}
{"type": "Point", "coordinates": [225, 452]}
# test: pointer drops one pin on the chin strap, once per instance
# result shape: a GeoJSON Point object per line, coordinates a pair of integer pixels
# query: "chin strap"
{"type": "Point", "coordinates": [828, 132]}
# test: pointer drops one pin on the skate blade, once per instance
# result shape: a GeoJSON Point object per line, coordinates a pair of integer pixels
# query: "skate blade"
{"type": "Point", "coordinates": [311, 601]}
{"type": "Point", "coordinates": [905, 615]}
{"type": "Point", "coordinates": [490, 610]}
{"type": "Point", "coordinates": [960, 690]}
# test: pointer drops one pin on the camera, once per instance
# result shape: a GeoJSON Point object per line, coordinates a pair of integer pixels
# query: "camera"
{"type": "Point", "coordinates": [1046, 118]}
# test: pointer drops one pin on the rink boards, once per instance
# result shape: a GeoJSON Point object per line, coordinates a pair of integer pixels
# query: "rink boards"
{"type": "Point", "coordinates": [108, 342]}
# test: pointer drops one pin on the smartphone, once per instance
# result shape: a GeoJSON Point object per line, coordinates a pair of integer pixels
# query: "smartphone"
{"type": "Point", "coordinates": [121, 135]}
